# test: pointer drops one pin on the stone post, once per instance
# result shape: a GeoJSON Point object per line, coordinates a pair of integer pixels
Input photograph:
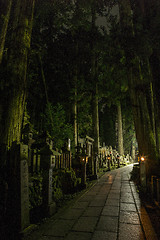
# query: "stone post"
{"type": "Point", "coordinates": [47, 163]}
{"type": "Point", "coordinates": [24, 186]}
{"type": "Point", "coordinates": [83, 172]}
{"type": "Point", "coordinates": [108, 162]}
{"type": "Point", "coordinates": [18, 190]}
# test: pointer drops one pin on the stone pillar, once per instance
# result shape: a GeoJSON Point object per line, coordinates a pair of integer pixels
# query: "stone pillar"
{"type": "Point", "coordinates": [24, 186]}
{"type": "Point", "coordinates": [18, 190]}
{"type": "Point", "coordinates": [96, 167]}
{"type": "Point", "coordinates": [47, 164]}
{"type": "Point", "coordinates": [83, 172]}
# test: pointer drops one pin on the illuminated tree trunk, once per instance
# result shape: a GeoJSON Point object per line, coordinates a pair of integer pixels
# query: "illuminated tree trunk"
{"type": "Point", "coordinates": [75, 116]}
{"type": "Point", "coordinates": [120, 130]}
{"type": "Point", "coordinates": [13, 94]}
{"type": "Point", "coordinates": [75, 113]}
{"type": "Point", "coordinates": [140, 94]}
{"type": "Point", "coordinates": [95, 120]}
{"type": "Point", "coordinates": [95, 112]}
{"type": "Point", "coordinates": [5, 9]}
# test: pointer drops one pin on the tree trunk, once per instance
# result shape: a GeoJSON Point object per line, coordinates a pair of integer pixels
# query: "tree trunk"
{"type": "Point", "coordinates": [120, 130]}
{"type": "Point", "coordinates": [140, 92]}
{"type": "Point", "coordinates": [95, 120]}
{"type": "Point", "coordinates": [5, 9]}
{"type": "Point", "coordinates": [13, 94]}
{"type": "Point", "coordinates": [75, 116]}
{"type": "Point", "coordinates": [95, 112]}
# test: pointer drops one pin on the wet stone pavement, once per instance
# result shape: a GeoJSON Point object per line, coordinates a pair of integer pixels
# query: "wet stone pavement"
{"type": "Point", "coordinates": [111, 209]}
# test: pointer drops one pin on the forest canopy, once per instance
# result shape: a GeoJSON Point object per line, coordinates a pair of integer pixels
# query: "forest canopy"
{"type": "Point", "coordinates": [73, 66]}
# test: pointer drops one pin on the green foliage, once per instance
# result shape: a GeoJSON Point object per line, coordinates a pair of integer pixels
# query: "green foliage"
{"type": "Point", "coordinates": [35, 190]}
{"type": "Point", "coordinates": [56, 125]}
{"type": "Point", "coordinates": [64, 182]}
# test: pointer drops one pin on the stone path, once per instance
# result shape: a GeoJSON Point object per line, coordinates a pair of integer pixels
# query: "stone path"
{"type": "Point", "coordinates": [111, 209]}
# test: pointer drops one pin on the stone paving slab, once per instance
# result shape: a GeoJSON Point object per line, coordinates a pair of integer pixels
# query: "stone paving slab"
{"type": "Point", "coordinates": [85, 224]}
{"type": "Point", "coordinates": [97, 203]}
{"type": "Point", "coordinates": [127, 199]}
{"type": "Point", "coordinates": [112, 202]}
{"type": "Point", "coordinates": [50, 238]}
{"type": "Point", "coordinates": [59, 228]}
{"type": "Point", "coordinates": [128, 207]}
{"type": "Point", "coordinates": [80, 205]}
{"type": "Point", "coordinates": [101, 197]}
{"type": "Point", "coordinates": [108, 223]}
{"type": "Point", "coordinates": [86, 198]}
{"type": "Point", "coordinates": [103, 235]}
{"type": "Point", "coordinates": [92, 212]}
{"type": "Point", "coordinates": [111, 210]}
{"type": "Point", "coordinates": [114, 195]}
{"type": "Point", "coordinates": [129, 217]}
{"type": "Point", "coordinates": [78, 236]}
{"type": "Point", "coordinates": [73, 213]}
{"type": "Point", "coordinates": [130, 232]}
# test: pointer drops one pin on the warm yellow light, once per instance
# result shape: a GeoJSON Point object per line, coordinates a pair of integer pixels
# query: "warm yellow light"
{"type": "Point", "coordinates": [142, 159]}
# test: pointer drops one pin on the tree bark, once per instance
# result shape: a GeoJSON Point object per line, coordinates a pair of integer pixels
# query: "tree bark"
{"type": "Point", "coordinates": [13, 94]}
{"type": "Point", "coordinates": [120, 130]}
{"type": "Point", "coordinates": [95, 119]}
{"type": "Point", "coordinates": [140, 92]}
{"type": "Point", "coordinates": [5, 9]}
{"type": "Point", "coordinates": [95, 112]}
{"type": "Point", "coordinates": [75, 115]}
{"type": "Point", "coordinates": [75, 104]}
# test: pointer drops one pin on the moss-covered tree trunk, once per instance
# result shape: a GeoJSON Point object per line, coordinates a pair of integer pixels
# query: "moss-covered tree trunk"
{"type": "Point", "coordinates": [95, 111]}
{"type": "Point", "coordinates": [95, 120]}
{"type": "Point", "coordinates": [13, 90]}
{"type": "Point", "coordinates": [75, 103]}
{"type": "Point", "coordinates": [12, 104]}
{"type": "Point", "coordinates": [140, 92]}
{"type": "Point", "coordinates": [75, 124]}
{"type": "Point", "coordinates": [5, 9]}
{"type": "Point", "coordinates": [155, 69]}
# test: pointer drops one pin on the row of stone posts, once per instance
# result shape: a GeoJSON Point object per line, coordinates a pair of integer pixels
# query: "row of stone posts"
{"type": "Point", "coordinates": [17, 216]}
